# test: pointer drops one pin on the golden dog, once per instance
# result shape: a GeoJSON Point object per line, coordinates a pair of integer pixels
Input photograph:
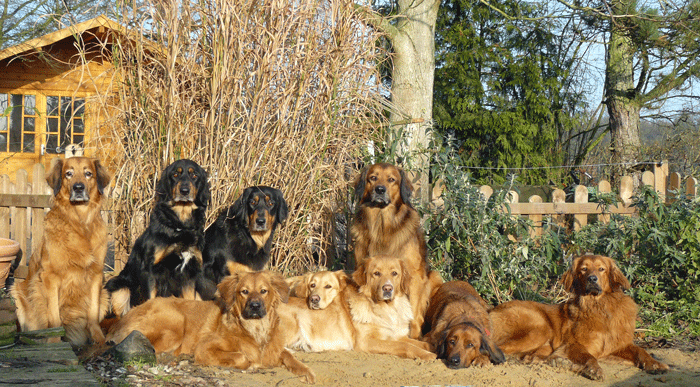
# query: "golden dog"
{"type": "Point", "coordinates": [458, 328]}
{"type": "Point", "coordinates": [242, 330]}
{"type": "Point", "coordinates": [64, 283]}
{"type": "Point", "coordinates": [317, 317]}
{"type": "Point", "coordinates": [597, 322]}
{"type": "Point", "coordinates": [387, 224]}
{"type": "Point", "coordinates": [381, 311]}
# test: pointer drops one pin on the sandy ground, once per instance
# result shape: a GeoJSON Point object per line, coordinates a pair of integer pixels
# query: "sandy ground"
{"type": "Point", "coordinates": [361, 369]}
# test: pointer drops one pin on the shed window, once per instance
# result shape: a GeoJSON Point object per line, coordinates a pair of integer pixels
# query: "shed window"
{"type": "Point", "coordinates": [18, 123]}
{"type": "Point", "coordinates": [64, 122]}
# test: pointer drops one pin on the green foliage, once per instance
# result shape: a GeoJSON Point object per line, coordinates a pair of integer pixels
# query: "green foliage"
{"type": "Point", "coordinates": [658, 250]}
{"type": "Point", "coordinates": [469, 240]}
{"type": "Point", "coordinates": [501, 87]}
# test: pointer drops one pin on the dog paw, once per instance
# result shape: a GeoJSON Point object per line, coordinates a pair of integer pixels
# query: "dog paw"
{"type": "Point", "coordinates": [310, 377]}
{"type": "Point", "coordinates": [593, 372]}
{"type": "Point", "coordinates": [481, 361]}
{"type": "Point", "coordinates": [656, 367]}
{"type": "Point", "coordinates": [560, 362]}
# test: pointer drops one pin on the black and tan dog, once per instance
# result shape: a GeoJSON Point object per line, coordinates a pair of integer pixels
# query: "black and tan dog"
{"type": "Point", "coordinates": [166, 259]}
{"type": "Point", "coordinates": [243, 232]}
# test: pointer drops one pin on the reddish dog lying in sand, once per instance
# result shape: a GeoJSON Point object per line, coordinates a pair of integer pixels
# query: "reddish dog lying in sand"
{"type": "Point", "coordinates": [458, 328]}
{"type": "Point", "coordinates": [242, 330]}
{"type": "Point", "coordinates": [597, 322]}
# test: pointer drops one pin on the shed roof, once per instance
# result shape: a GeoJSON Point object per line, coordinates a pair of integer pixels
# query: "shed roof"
{"type": "Point", "coordinates": [37, 43]}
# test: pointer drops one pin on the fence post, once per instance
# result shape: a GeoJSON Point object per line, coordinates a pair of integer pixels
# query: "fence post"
{"type": "Point", "coordinates": [660, 175]}
{"type": "Point", "coordinates": [37, 227]}
{"type": "Point", "coordinates": [19, 215]}
{"type": "Point", "coordinates": [486, 192]}
{"type": "Point", "coordinates": [691, 187]}
{"type": "Point", "coordinates": [559, 196]}
{"type": "Point", "coordinates": [674, 187]}
{"type": "Point", "coordinates": [580, 196]}
{"type": "Point", "coordinates": [627, 189]}
{"type": "Point", "coordinates": [604, 187]}
{"type": "Point", "coordinates": [536, 229]}
{"type": "Point", "coordinates": [5, 188]}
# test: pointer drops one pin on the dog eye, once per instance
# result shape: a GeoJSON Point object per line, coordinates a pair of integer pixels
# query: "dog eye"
{"type": "Point", "coordinates": [470, 345]}
{"type": "Point", "coordinates": [244, 291]}
{"type": "Point", "coordinates": [69, 173]}
{"type": "Point", "coordinates": [452, 342]}
{"type": "Point", "coordinates": [373, 178]}
{"type": "Point", "coordinates": [377, 274]}
{"type": "Point", "coordinates": [176, 174]}
{"type": "Point", "coordinates": [394, 273]}
{"type": "Point", "coordinates": [88, 174]}
{"type": "Point", "coordinates": [263, 291]}
{"type": "Point", "coordinates": [328, 286]}
{"type": "Point", "coordinates": [391, 180]}
{"type": "Point", "coordinates": [312, 285]}
{"type": "Point", "coordinates": [601, 269]}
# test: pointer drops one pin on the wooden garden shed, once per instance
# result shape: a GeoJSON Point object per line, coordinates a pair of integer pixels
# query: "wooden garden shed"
{"type": "Point", "coordinates": [49, 90]}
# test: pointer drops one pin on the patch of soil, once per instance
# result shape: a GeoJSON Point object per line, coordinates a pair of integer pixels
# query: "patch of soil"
{"type": "Point", "coordinates": [367, 370]}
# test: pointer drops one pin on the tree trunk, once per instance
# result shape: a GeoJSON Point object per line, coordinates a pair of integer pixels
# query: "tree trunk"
{"type": "Point", "coordinates": [622, 100]}
{"type": "Point", "coordinates": [413, 41]}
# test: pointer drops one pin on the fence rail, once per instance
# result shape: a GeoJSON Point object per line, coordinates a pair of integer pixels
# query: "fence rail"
{"type": "Point", "coordinates": [24, 204]}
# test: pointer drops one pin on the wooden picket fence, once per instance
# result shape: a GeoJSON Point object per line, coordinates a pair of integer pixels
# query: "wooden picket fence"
{"type": "Point", "coordinates": [24, 204]}
{"type": "Point", "coordinates": [669, 186]}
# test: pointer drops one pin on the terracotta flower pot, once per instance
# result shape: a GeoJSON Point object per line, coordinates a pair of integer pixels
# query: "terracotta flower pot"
{"type": "Point", "coordinates": [8, 252]}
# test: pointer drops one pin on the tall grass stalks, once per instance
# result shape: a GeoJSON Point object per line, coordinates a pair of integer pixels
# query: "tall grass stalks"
{"type": "Point", "coordinates": [279, 93]}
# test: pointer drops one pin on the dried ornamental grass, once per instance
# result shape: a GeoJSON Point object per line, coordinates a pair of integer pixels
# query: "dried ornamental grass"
{"type": "Point", "coordinates": [267, 92]}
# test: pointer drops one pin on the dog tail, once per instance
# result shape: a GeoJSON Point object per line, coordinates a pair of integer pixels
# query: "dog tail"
{"type": "Point", "coordinates": [234, 267]}
{"type": "Point", "coordinates": [118, 298]}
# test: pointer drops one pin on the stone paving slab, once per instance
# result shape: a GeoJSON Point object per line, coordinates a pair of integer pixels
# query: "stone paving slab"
{"type": "Point", "coordinates": [43, 365]}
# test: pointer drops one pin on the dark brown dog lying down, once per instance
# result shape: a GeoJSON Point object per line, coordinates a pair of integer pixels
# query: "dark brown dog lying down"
{"type": "Point", "coordinates": [242, 330]}
{"type": "Point", "coordinates": [597, 322]}
{"type": "Point", "coordinates": [458, 328]}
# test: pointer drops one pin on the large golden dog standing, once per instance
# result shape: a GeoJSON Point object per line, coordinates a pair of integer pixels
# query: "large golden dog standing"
{"type": "Point", "coordinates": [64, 284]}
{"type": "Point", "coordinates": [597, 322]}
{"type": "Point", "coordinates": [387, 224]}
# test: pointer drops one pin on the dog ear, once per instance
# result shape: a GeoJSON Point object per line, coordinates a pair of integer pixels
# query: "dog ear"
{"type": "Point", "coordinates": [360, 274]}
{"type": "Point", "coordinates": [360, 185]}
{"type": "Point", "coordinates": [568, 279]}
{"type": "Point", "coordinates": [102, 177]}
{"type": "Point", "coordinates": [405, 278]}
{"type": "Point", "coordinates": [299, 286]}
{"type": "Point", "coordinates": [227, 287]}
{"type": "Point", "coordinates": [280, 286]}
{"type": "Point", "coordinates": [490, 349]}
{"type": "Point", "coordinates": [406, 188]}
{"type": "Point", "coordinates": [282, 210]}
{"type": "Point", "coordinates": [240, 206]}
{"type": "Point", "coordinates": [55, 176]}
{"type": "Point", "coordinates": [343, 278]}
{"type": "Point", "coordinates": [163, 185]}
{"type": "Point", "coordinates": [441, 348]}
{"type": "Point", "coordinates": [204, 190]}
{"type": "Point", "coordinates": [616, 277]}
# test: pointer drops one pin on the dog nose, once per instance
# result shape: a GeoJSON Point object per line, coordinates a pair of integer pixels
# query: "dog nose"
{"type": "Point", "coordinates": [260, 221]}
{"type": "Point", "coordinates": [592, 278]}
{"type": "Point", "coordinates": [380, 189]}
{"type": "Point", "coordinates": [184, 190]}
{"type": "Point", "coordinates": [387, 288]}
{"type": "Point", "coordinates": [255, 305]}
{"type": "Point", "coordinates": [454, 360]}
{"type": "Point", "coordinates": [315, 299]}
{"type": "Point", "coordinates": [78, 187]}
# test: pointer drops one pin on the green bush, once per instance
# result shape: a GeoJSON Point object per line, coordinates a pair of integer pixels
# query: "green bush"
{"type": "Point", "coordinates": [658, 250]}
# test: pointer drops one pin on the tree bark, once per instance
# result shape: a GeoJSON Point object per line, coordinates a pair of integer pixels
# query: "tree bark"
{"type": "Point", "coordinates": [622, 99]}
{"type": "Point", "coordinates": [413, 40]}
